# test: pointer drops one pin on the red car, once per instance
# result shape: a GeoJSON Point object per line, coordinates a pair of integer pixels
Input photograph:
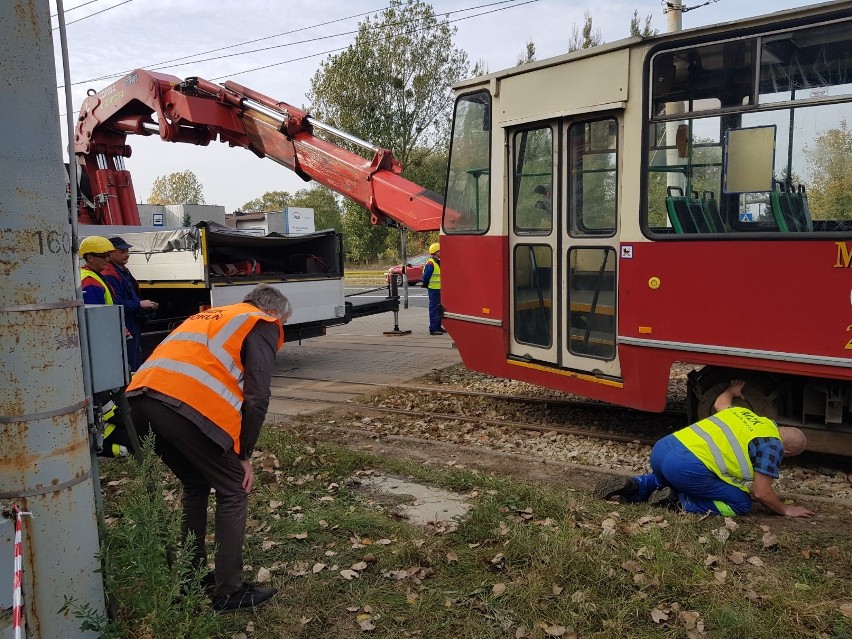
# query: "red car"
{"type": "Point", "coordinates": [414, 270]}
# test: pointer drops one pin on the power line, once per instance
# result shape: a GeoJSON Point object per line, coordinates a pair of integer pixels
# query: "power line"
{"type": "Point", "coordinates": [170, 63]}
{"type": "Point", "coordinates": [77, 7]}
{"type": "Point", "coordinates": [95, 13]}
{"type": "Point", "coordinates": [275, 64]}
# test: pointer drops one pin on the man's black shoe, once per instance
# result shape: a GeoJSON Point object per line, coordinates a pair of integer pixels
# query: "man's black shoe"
{"type": "Point", "coordinates": [248, 596]}
{"type": "Point", "coordinates": [436, 332]}
{"type": "Point", "coordinates": [665, 497]}
{"type": "Point", "coordinates": [616, 486]}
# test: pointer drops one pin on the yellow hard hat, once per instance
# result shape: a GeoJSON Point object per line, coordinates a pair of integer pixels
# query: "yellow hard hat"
{"type": "Point", "coordinates": [434, 248]}
{"type": "Point", "coordinates": [95, 244]}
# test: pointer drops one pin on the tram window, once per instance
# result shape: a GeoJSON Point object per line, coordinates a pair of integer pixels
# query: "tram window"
{"type": "Point", "coordinates": [593, 177]}
{"type": "Point", "coordinates": [811, 63]}
{"type": "Point", "coordinates": [591, 299]}
{"type": "Point", "coordinates": [469, 176]}
{"type": "Point", "coordinates": [694, 79]}
{"type": "Point", "coordinates": [533, 294]}
{"type": "Point", "coordinates": [532, 152]}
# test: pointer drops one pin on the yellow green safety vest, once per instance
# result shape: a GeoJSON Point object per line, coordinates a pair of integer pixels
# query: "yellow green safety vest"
{"type": "Point", "coordinates": [721, 442]}
{"type": "Point", "coordinates": [435, 280]}
{"type": "Point", "coordinates": [87, 272]}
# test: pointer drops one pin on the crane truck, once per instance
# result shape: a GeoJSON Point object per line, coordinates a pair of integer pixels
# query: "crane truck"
{"type": "Point", "coordinates": [208, 265]}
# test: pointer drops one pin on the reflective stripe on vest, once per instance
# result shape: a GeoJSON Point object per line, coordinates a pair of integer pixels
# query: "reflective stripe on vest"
{"type": "Point", "coordinates": [87, 272]}
{"type": "Point", "coordinates": [721, 442]}
{"type": "Point", "coordinates": [435, 279]}
{"type": "Point", "coordinates": [200, 364]}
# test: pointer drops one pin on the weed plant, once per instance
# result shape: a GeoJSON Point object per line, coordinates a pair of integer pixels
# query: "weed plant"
{"type": "Point", "coordinates": [151, 583]}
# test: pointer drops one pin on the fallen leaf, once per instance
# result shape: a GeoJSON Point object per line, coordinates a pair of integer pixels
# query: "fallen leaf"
{"type": "Point", "coordinates": [769, 540]}
{"type": "Point", "coordinates": [349, 575]}
{"type": "Point", "coordinates": [263, 575]}
{"type": "Point", "coordinates": [710, 560]}
{"type": "Point", "coordinates": [301, 535]}
{"type": "Point", "coordinates": [721, 575]}
{"type": "Point", "coordinates": [269, 544]}
{"type": "Point", "coordinates": [361, 565]}
{"type": "Point", "coordinates": [384, 542]}
{"type": "Point", "coordinates": [452, 558]}
{"type": "Point", "coordinates": [846, 609]}
{"type": "Point", "coordinates": [366, 626]}
{"type": "Point", "coordinates": [305, 620]}
{"type": "Point", "coordinates": [690, 618]}
{"type": "Point", "coordinates": [353, 608]}
{"type": "Point", "coordinates": [275, 504]}
{"type": "Point", "coordinates": [631, 566]}
{"type": "Point", "coordinates": [736, 557]}
{"type": "Point", "coordinates": [557, 590]}
{"type": "Point", "coordinates": [521, 632]}
{"type": "Point", "coordinates": [317, 568]}
{"type": "Point", "coordinates": [755, 561]}
{"type": "Point", "coordinates": [555, 631]}
{"type": "Point", "coordinates": [498, 589]}
{"type": "Point", "coordinates": [658, 615]}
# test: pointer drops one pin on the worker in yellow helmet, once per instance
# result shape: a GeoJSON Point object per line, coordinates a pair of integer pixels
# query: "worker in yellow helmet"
{"type": "Point", "coordinates": [716, 465]}
{"type": "Point", "coordinates": [432, 283]}
{"type": "Point", "coordinates": [94, 251]}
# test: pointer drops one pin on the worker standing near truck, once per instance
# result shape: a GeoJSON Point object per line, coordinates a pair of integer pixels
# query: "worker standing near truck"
{"type": "Point", "coordinates": [432, 282]}
{"type": "Point", "coordinates": [94, 251]}
{"type": "Point", "coordinates": [205, 391]}
{"type": "Point", "coordinates": [126, 292]}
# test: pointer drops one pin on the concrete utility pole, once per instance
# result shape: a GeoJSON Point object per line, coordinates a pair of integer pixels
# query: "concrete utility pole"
{"type": "Point", "coordinates": [674, 15]}
{"type": "Point", "coordinates": [45, 466]}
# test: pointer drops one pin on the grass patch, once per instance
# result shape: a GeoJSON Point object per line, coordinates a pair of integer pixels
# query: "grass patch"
{"type": "Point", "coordinates": [528, 560]}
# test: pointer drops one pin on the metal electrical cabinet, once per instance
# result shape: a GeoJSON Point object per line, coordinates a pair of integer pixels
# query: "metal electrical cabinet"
{"type": "Point", "coordinates": [107, 346]}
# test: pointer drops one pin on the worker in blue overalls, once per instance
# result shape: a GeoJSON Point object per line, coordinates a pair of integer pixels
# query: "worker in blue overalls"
{"type": "Point", "coordinates": [716, 465]}
{"type": "Point", "coordinates": [432, 283]}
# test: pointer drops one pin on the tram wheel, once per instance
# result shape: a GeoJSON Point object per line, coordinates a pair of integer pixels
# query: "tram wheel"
{"type": "Point", "coordinates": [763, 393]}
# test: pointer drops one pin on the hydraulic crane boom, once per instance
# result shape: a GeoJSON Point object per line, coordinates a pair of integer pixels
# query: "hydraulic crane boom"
{"type": "Point", "coordinates": [197, 111]}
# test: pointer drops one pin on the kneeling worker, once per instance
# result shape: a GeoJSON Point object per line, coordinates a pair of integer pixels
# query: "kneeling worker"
{"type": "Point", "coordinates": [706, 467]}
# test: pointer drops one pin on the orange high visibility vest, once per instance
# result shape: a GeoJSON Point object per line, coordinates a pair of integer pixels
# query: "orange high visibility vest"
{"type": "Point", "coordinates": [199, 364]}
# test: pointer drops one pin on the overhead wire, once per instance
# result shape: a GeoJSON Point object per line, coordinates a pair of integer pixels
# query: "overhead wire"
{"type": "Point", "coordinates": [170, 63]}
{"type": "Point", "coordinates": [275, 64]}
{"type": "Point", "coordinates": [95, 13]}
{"type": "Point", "coordinates": [66, 11]}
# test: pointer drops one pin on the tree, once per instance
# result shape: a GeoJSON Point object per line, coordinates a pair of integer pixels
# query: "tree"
{"type": "Point", "coordinates": [528, 55]}
{"type": "Point", "coordinates": [391, 87]}
{"type": "Point", "coordinates": [181, 187]}
{"type": "Point", "coordinates": [269, 201]}
{"type": "Point", "coordinates": [830, 194]}
{"type": "Point", "coordinates": [646, 31]}
{"type": "Point", "coordinates": [589, 37]}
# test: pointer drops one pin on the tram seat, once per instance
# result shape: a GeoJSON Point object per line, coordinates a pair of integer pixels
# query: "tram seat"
{"type": "Point", "coordinates": [790, 208]}
{"type": "Point", "coordinates": [711, 212]}
{"type": "Point", "coordinates": [685, 213]}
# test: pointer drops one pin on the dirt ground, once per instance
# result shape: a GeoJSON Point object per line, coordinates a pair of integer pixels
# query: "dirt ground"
{"type": "Point", "coordinates": [832, 515]}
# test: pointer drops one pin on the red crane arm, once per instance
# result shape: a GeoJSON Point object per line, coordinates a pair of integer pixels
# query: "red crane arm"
{"type": "Point", "coordinates": [197, 111]}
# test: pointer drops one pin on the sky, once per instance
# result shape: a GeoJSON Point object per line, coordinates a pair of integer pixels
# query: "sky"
{"type": "Point", "coordinates": [112, 37]}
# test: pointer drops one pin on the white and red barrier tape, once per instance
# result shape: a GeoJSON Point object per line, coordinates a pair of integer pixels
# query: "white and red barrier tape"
{"type": "Point", "coordinates": [17, 597]}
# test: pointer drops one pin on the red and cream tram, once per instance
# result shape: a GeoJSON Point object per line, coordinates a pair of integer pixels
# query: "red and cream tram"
{"type": "Point", "coordinates": [680, 198]}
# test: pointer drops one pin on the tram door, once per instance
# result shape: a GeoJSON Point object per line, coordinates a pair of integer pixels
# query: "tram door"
{"type": "Point", "coordinates": [563, 243]}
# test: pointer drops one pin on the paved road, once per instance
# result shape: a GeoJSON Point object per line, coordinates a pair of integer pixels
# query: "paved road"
{"type": "Point", "coordinates": [358, 352]}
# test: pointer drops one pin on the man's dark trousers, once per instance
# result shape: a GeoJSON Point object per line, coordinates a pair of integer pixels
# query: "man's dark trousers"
{"type": "Point", "coordinates": [200, 465]}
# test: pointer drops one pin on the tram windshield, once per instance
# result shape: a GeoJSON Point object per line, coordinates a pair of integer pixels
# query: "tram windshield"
{"type": "Point", "coordinates": [795, 86]}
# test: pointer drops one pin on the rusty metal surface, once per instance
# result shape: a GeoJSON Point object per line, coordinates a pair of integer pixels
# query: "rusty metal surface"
{"type": "Point", "coordinates": [45, 452]}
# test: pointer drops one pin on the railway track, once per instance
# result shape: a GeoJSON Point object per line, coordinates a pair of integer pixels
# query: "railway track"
{"type": "Point", "coordinates": [378, 403]}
